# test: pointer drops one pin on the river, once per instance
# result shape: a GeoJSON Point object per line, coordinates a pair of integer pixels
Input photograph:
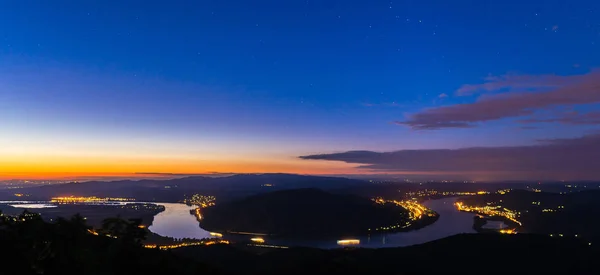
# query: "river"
{"type": "Point", "coordinates": [177, 222]}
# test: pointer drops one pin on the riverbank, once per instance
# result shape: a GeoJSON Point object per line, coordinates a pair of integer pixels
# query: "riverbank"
{"type": "Point", "coordinates": [175, 222]}
{"type": "Point", "coordinates": [418, 216]}
{"type": "Point", "coordinates": [448, 222]}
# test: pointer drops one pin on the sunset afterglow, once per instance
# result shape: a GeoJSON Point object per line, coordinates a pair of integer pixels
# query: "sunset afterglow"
{"type": "Point", "coordinates": [240, 89]}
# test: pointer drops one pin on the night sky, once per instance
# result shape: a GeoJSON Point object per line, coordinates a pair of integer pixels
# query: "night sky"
{"type": "Point", "coordinates": [471, 89]}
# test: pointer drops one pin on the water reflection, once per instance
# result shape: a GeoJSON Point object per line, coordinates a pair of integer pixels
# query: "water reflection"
{"type": "Point", "coordinates": [33, 205]}
{"type": "Point", "coordinates": [494, 225]}
{"type": "Point", "coordinates": [450, 222]}
{"type": "Point", "coordinates": [177, 222]}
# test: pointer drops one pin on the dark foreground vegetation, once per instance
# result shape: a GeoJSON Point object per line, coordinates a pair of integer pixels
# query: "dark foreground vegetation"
{"type": "Point", "coordinates": [30, 245]}
{"type": "Point", "coordinates": [460, 254]}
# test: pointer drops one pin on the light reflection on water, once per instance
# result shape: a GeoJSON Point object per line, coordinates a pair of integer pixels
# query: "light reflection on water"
{"type": "Point", "coordinates": [450, 222]}
{"type": "Point", "coordinates": [177, 222]}
{"type": "Point", "coordinates": [33, 205]}
{"type": "Point", "coordinates": [494, 225]}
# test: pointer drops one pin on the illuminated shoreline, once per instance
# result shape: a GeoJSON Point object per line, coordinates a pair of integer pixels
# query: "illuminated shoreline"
{"type": "Point", "coordinates": [73, 199]}
{"type": "Point", "coordinates": [416, 213]}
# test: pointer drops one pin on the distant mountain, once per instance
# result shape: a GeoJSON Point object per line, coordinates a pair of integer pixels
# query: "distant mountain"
{"type": "Point", "coordinates": [302, 213]}
{"type": "Point", "coordinates": [176, 189]}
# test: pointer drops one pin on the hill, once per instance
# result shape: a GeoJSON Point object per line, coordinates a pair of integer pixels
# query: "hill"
{"type": "Point", "coordinates": [65, 246]}
{"type": "Point", "coordinates": [302, 213]}
{"type": "Point", "coordinates": [173, 190]}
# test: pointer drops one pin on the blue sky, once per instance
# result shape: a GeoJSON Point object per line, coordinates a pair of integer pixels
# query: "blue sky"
{"type": "Point", "coordinates": [274, 80]}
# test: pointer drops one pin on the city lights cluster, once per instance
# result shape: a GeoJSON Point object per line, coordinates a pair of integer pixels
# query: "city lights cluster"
{"type": "Point", "coordinates": [508, 231]}
{"type": "Point", "coordinates": [550, 210]}
{"type": "Point", "coordinates": [197, 214]}
{"type": "Point", "coordinates": [433, 192]}
{"type": "Point", "coordinates": [173, 246]}
{"type": "Point", "coordinates": [416, 211]}
{"type": "Point", "coordinates": [201, 200]}
{"type": "Point", "coordinates": [503, 191]}
{"type": "Point", "coordinates": [73, 199]}
{"type": "Point", "coordinates": [492, 211]}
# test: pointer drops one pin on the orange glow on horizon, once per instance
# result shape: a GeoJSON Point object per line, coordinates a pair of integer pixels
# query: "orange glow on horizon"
{"type": "Point", "coordinates": [41, 168]}
{"type": "Point", "coordinates": [166, 175]}
{"type": "Point", "coordinates": [107, 168]}
{"type": "Point", "coordinates": [175, 171]}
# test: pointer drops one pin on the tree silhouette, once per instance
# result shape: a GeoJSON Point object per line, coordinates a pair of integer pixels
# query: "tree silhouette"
{"type": "Point", "coordinates": [29, 245]}
{"type": "Point", "coordinates": [127, 231]}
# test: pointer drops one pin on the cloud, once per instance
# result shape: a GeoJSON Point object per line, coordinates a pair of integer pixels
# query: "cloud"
{"type": "Point", "coordinates": [575, 158]}
{"type": "Point", "coordinates": [436, 125]}
{"type": "Point", "coordinates": [572, 118]}
{"type": "Point", "coordinates": [516, 82]}
{"type": "Point", "coordinates": [443, 95]}
{"type": "Point", "coordinates": [551, 91]}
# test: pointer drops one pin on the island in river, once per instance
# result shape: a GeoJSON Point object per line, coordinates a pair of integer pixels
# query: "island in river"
{"type": "Point", "coordinates": [311, 213]}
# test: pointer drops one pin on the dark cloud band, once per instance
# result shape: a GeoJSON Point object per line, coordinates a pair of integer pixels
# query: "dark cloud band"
{"type": "Point", "coordinates": [575, 158]}
{"type": "Point", "coordinates": [528, 95]}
